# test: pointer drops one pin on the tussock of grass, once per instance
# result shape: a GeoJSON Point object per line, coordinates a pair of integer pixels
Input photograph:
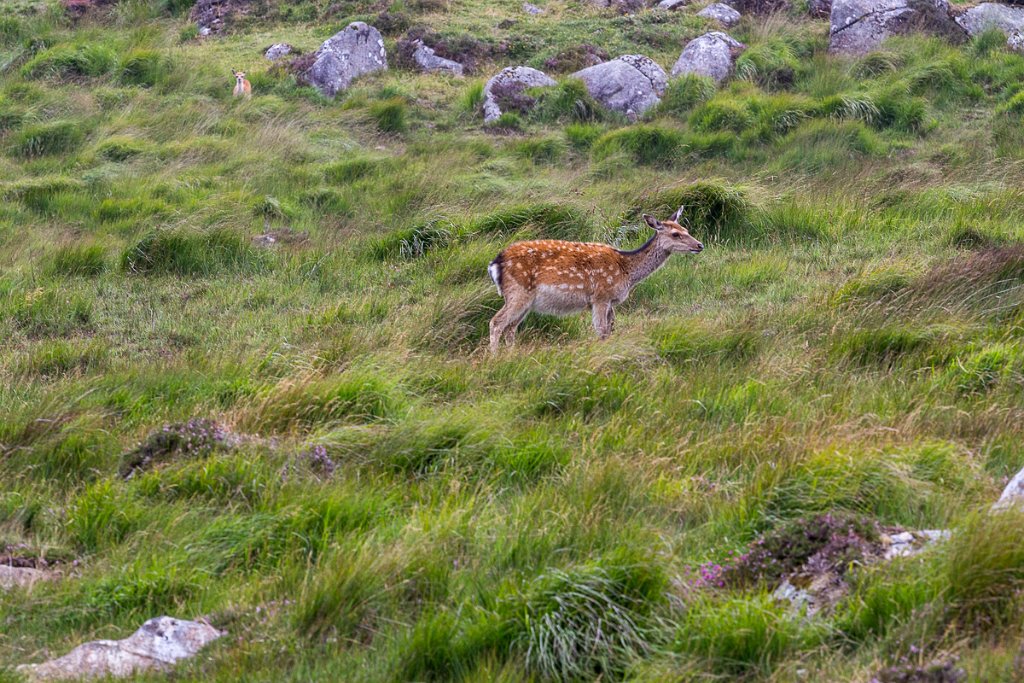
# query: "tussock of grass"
{"type": "Point", "coordinates": [184, 252]}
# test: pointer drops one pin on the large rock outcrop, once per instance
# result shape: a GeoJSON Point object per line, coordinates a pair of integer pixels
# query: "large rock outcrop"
{"type": "Point", "coordinates": [158, 644]}
{"type": "Point", "coordinates": [213, 16]}
{"type": "Point", "coordinates": [712, 54]}
{"type": "Point", "coordinates": [860, 26]}
{"type": "Point", "coordinates": [356, 50]}
{"type": "Point", "coordinates": [1013, 495]}
{"type": "Point", "coordinates": [987, 15]}
{"type": "Point", "coordinates": [509, 84]}
{"type": "Point", "coordinates": [630, 84]}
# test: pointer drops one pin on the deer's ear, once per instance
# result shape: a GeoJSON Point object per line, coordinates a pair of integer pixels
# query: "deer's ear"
{"type": "Point", "coordinates": [678, 213]}
{"type": "Point", "coordinates": [234, 73]}
{"type": "Point", "coordinates": [652, 221]}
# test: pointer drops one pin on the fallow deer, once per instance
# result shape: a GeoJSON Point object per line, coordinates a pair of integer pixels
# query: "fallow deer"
{"type": "Point", "coordinates": [243, 88]}
{"type": "Point", "coordinates": [560, 278]}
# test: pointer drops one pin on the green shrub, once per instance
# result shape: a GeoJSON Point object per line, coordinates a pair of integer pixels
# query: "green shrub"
{"type": "Point", "coordinates": [144, 67]}
{"type": "Point", "coordinates": [583, 135]}
{"type": "Point", "coordinates": [695, 343]}
{"type": "Point", "coordinates": [472, 99]}
{"type": "Point", "coordinates": [43, 139]}
{"type": "Point", "coordinates": [541, 150]}
{"type": "Point", "coordinates": [58, 357]}
{"type": "Point", "coordinates": [685, 93]}
{"type": "Point", "coordinates": [390, 115]}
{"type": "Point", "coordinates": [416, 241]}
{"type": "Point", "coordinates": [722, 113]}
{"type": "Point", "coordinates": [984, 572]}
{"type": "Point", "coordinates": [342, 599]}
{"type": "Point", "coordinates": [184, 252]}
{"type": "Point", "coordinates": [548, 221]}
{"type": "Point", "coordinates": [901, 111]}
{"type": "Point", "coordinates": [89, 60]}
{"type": "Point", "coordinates": [770, 64]}
{"type": "Point", "coordinates": [102, 516]}
{"type": "Point", "coordinates": [122, 148]}
{"type": "Point", "coordinates": [589, 621]}
{"type": "Point", "coordinates": [883, 346]}
{"type": "Point", "coordinates": [744, 635]}
{"type": "Point", "coordinates": [645, 144]}
{"type": "Point", "coordinates": [824, 146]}
{"type": "Point", "coordinates": [49, 313]}
{"type": "Point", "coordinates": [77, 260]}
{"type": "Point", "coordinates": [710, 210]}
{"type": "Point", "coordinates": [568, 101]}
{"type": "Point", "coordinates": [350, 170]}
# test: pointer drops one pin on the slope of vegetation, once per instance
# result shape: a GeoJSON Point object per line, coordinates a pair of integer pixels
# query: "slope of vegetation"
{"type": "Point", "coordinates": [308, 444]}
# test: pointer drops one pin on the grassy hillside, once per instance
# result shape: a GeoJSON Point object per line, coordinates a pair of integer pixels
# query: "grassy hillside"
{"type": "Point", "coordinates": [363, 493]}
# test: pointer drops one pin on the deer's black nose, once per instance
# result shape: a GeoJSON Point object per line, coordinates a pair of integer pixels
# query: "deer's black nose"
{"type": "Point", "coordinates": [700, 247]}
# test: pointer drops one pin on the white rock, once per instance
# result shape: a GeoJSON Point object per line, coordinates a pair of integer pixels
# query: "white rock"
{"type": "Point", "coordinates": [427, 60]}
{"type": "Point", "coordinates": [277, 50]}
{"type": "Point", "coordinates": [630, 84]}
{"type": "Point", "coordinates": [158, 644]}
{"type": "Point", "coordinates": [1013, 494]}
{"type": "Point", "coordinates": [909, 543]}
{"type": "Point", "coordinates": [532, 9]}
{"type": "Point", "coordinates": [673, 4]}
{"type": "Point", "coordinates": [1009, 20]}
{"type": "Point", "coordinates": [860, 26]}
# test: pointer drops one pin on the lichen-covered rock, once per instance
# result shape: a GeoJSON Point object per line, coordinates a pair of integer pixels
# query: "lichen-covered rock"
{"type": "Point", "coordinates": [158, 644]}
{"type": "Point", "coordinates": [860, 26]}
{"type": "Point", "coordinates": [630, 84]}
{"type": "Point", "coordinates": [213, 16]}
{"type": "Point", "coordinates": [712, 54]}
{"type": "Point", "coordinates": [987, 15]}
{"type": "Point", "coordinates": [622, 6]}
{"type": "Point", "coordinates": [530, 8]}
{"type": "Point", "coordinates": [355, 51]}
{"type": "Point", "coordinates": [673, 4]}
{"type": "Point", "coordinates": [508, 81]}
{"type": "Point", "coordinates": [427, 60]}
{"type": "Point", "coordinates": [722, 13]}
{"type": "Point", "coordinates": [278, 50]}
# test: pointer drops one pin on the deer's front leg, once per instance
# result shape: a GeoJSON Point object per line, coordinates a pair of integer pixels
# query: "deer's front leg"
{"type": "Point", "coordinates": [602, 315]}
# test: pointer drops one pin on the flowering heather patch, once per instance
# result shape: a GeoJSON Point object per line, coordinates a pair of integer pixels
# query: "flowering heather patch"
{"type": "Point", "coordinates": [824, 543]}
{"type": "Point", "coordinates": [196, 438]}
{"type": "Point", "coordinates": [318, 460]}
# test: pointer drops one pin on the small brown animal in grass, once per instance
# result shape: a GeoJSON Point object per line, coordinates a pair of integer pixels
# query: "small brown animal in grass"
{"type": "Point", "coordinates": [560, 278]}
{"type": "Point", "coordinates": [243, 88]}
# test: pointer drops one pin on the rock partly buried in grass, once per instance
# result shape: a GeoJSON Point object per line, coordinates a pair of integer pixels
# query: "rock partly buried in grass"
{"type": "Point", "coordinates": [158, 644]}
{"type": "Point", "coordinates": [673, 4]}
{"type": "Point", "coordinates": [507, 90]}
{"type": "Point", "coordinates": [712, 55]}
{"type": "Point", "coordinates": [277, 51]}
{"type": "Point", "coordinates": [213, 16]}
{"type": "Point", "coordinates": [22, 577]}
{"type": "Point", "coordinates": [198, 437]}
{"type": "Point", "coordinates": [722, 13]}
{"type": "Point", "coordinates": [630, 84]}
{"type": "Point", "coordinates": [908, 543]}
{"type": "Point", "coordinates": [1013, 495]}
{"type": "Point", "coordinates": [932, 672]}
{"type": "Point", "coordinates": [532, 9]}
{"type": "Point", "coordinates": [860, 26]}
{"type": "Point", "coordinates": [989, 15]}
{"type": "Point", "coordinates": [621, 6]}
{"type": "Point", "coordinates": [427, 60]}
{"type": "Point", "coordinates": [355, 51]}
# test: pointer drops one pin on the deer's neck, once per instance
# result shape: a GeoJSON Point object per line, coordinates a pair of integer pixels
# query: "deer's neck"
{"type": "Point", "coordinates": [641, 262]}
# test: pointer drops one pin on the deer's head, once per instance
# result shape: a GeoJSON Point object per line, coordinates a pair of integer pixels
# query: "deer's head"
{"type": "Point", "coordinates": [239, 75]}
{"type": "Point", "coordinates": [673, 237]}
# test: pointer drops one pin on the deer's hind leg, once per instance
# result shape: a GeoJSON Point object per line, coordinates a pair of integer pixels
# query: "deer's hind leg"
{"type": "Point", "coordinates": [505, 321]}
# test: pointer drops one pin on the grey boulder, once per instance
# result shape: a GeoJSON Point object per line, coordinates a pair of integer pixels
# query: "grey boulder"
{"type": "Point", "coordinates": [532, 9]}
{"type": "Point", "coordinates": [860, 26]}
{"type": "Point", "coordinates": [712, 54]}
{"type": "Point", "coordinates": [987, 15]}
{"type": "Point", "coordinates": [21, 577]}
{"type": "Point", "coordinates": [517, 78]}
{"type": "Point", "coordinates": [1013, 495]}
{"type": "Point", "coordinates": [722, 13]}
{"type": "Point", "coordinates": [427, 60]}
{"type": "Point", "coordinates": [356, 50]}
{"type": "Point", "coordinates": [278, 50]}
{"type": "Point", "coordinates": [673, 4]}
{"type": "Point", "coordinates": [630, 84]}
{"type": "Point", "coordinates": [158, 644]}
